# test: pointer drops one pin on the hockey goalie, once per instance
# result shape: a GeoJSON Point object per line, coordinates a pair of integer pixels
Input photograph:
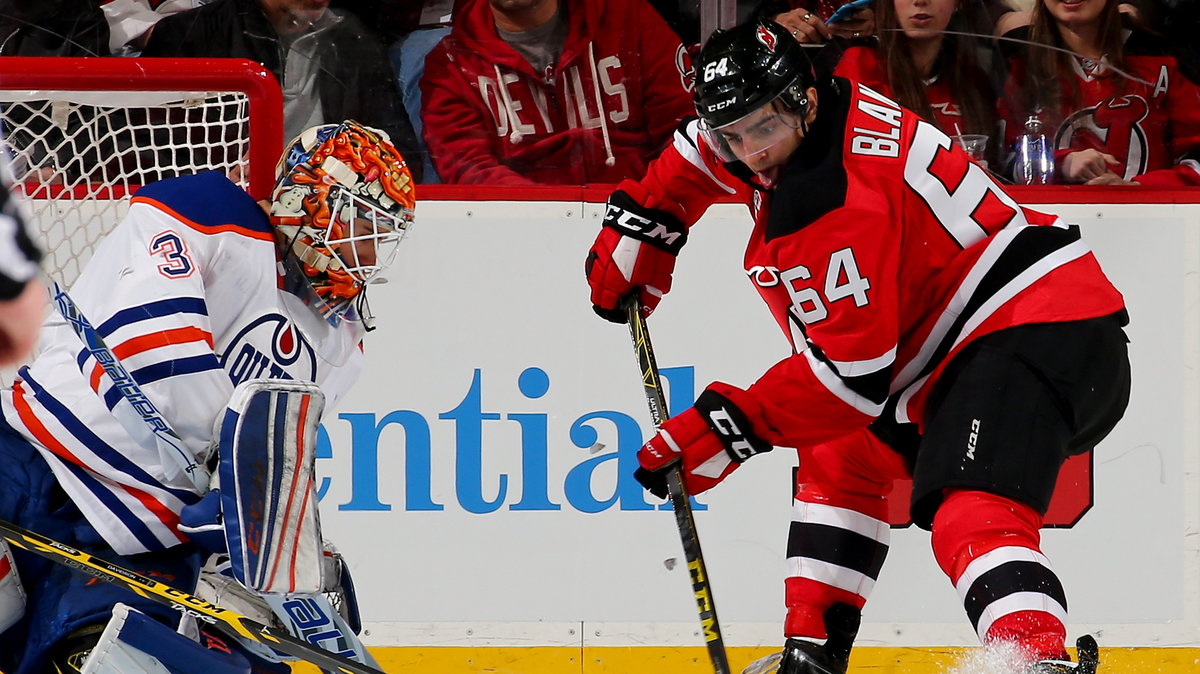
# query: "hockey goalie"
{"type": "Point", "coordinates": [169, 421]}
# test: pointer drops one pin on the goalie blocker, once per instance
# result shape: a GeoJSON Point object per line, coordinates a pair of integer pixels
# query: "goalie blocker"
{"type": "Point", "coordinates": [262, 509]}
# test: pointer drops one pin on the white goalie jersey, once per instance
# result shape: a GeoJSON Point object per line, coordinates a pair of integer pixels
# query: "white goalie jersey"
{"type": "Point", "coordinates": [186, 292]}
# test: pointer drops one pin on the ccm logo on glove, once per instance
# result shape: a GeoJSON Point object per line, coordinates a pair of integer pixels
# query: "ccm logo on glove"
{"type": "Point", "coordinates": [711, 440]}
{"type": "Point", "coordinates": [657, 228]}
{"type": "Point", "coordinates": [634, 253]}
{"type": "Point", "coordinates": [736, 443]}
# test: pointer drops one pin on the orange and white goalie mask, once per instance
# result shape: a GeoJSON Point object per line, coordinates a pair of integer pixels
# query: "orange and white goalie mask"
{"type": "Point", "coordinates": [343, 200]}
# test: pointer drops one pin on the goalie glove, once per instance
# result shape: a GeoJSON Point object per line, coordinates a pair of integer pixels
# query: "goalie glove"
{"type": "Point", "coordinates": [711, 440]}
{"type": "Point", "coordinates": [634, 252]}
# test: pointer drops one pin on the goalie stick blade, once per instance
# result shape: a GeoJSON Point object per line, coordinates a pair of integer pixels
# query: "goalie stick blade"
{"type": "Point", "coordinates": [223, 620]}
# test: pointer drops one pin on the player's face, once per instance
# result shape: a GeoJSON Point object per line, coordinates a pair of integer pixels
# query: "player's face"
{"type": "Point", "coordinates": [1076, 12]}
{"type": "Point", "coordinates": [307, 11]}
{"type": "Point", "coordinates": [924, 19]}
{"type": "Point", "coordinates": [516, 5]}
{"type": "Point", "coordinates": [763, 139]}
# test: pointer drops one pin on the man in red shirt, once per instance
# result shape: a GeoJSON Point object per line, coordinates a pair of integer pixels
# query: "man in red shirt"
{"type": "Point", "coordinates": [524, 92]}
{"type": "Point", "coordinates": [940, 331]}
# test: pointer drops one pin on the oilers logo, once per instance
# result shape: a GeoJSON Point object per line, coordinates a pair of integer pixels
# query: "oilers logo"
{"type": "Point", "coordinates": [1113, 126]}
{"type": "Point", "coordinates": [269, 346]}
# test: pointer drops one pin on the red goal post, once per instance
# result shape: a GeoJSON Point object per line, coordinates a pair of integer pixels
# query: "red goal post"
{"type": "Point", "coordinates": [84, 134]}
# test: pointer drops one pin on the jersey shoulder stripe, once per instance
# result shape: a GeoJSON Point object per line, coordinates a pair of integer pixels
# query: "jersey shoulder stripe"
{"type": "Point", "coordinates": [158, 309]}
{"type": "Point", "coordinates": [142, 344]}
{"type": "Point", "coordinates": [209, 203]}
{"type": "Point", "coordinates": [163, 370]}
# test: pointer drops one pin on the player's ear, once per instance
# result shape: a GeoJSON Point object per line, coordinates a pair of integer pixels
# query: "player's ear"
{"type": "Point", "coordinates": [810, 110]}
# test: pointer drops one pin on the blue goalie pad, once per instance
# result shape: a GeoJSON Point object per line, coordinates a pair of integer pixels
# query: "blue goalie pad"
{"type": "Point", "coordinates": [133, 643]}
{"type": "Point", "coordinates": [268, 440]}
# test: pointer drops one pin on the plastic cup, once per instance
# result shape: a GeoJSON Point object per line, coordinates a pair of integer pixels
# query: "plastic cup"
{"type": "Point", "coordinates": [975, 145]}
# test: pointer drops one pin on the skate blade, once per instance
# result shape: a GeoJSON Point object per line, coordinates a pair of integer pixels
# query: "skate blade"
{"type": "Point", "coordinates": [764, 665]}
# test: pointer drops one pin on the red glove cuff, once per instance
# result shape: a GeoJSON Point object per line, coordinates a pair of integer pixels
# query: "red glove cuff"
{"type": "Point", "coordinates": [711, 439]}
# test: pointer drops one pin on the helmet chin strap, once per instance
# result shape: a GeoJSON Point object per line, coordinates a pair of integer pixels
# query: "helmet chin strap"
{"type": "Point", "coordinates": [363, 308]}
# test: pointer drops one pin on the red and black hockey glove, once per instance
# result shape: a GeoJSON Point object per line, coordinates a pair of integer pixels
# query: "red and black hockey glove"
{"type": "Point", "coordinates": [635, 251]}
{"type": "Point", "coordinates": [711, 439]}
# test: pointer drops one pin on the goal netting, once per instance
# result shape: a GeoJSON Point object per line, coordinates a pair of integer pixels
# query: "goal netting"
{"type": "Point", "coordinates": [84, 134]}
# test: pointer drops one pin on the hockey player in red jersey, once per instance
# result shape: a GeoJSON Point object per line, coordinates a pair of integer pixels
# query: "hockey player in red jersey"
{"type": "Point", "coordinates": [940, 331]}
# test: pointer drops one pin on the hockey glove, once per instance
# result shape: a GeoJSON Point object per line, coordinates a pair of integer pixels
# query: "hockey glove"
{"type": "Point", "coordinates": [634, 252]}
{"type": "Point", "coordinates": [711, 439]}
{"type": "Point", "coordinates": [202, 522]}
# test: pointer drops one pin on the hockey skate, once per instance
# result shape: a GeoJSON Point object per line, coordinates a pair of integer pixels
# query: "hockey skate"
{"type": "Point", "coordinates": [1089, 659]}
{"type": "Point", "coordinates": [806, 657]}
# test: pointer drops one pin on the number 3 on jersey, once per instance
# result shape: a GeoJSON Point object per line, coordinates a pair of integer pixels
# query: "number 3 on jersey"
{"type": "Point", "coordinates": [842, 280]}
{"type": "Point", "coordinates": [177, 263]}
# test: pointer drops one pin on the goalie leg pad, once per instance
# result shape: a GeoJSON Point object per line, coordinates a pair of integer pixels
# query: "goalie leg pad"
{"type": "Point", "coordinates": [267, 446]}
{"type": "Point", "coordinates": [133, 643]}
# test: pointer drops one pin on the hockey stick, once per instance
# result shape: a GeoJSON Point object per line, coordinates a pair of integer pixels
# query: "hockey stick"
{"type": "Point", "coordinates": [169, 443]}
{"type": "Point", "coordinates": [652, 387]}
{"type": "Point", "coordinates": [222, 619]}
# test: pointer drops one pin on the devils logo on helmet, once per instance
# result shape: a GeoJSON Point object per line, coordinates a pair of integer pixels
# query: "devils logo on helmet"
{"type": "Point", "coordinates": [766, 37]}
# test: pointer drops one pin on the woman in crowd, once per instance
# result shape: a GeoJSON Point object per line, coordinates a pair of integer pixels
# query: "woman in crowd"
{"type": "Point", "coordinates": [1111, 96]}
{"type": "Point", "coordinates": [924, 59]}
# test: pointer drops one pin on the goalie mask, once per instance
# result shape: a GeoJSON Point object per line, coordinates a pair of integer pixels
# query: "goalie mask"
{"type": "Point", "coordinates": [751, 89]}
{"type": "Point", "coordinates": [343, 199]}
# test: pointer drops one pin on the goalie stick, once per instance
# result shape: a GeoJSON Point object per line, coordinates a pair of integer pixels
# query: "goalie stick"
{"type": "Point", "coordinates": [169, 443]}
{"type": "Point", "coordinates": [652, 387]}
{"type": "Point", "coordinates": [224, 620]}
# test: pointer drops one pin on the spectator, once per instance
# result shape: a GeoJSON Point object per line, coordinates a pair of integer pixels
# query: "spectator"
{"type": "Point", "coordinates": [130, 22]}
{"type": "Point", "coordinates": [916, 62]}
{"type": "Point", "coordinates": [330, 67]}
{"type": "Point", "coordinates": [429, 26]}
{"type": "Point", "coordinates": [52, 28]}
{"type": "Point", "coordinates": [807, 20]}
{"type": "Point", "coordinates": [1120, 110]}
{"type": "Point", "coordinates": [553, 91]}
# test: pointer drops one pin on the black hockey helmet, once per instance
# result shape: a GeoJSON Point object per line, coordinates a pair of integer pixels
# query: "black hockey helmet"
{"type": "Point", "coordinates": [742, 69]}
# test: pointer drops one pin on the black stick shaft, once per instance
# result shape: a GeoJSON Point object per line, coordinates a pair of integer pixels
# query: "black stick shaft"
{"type": "Point", "coordinates": [224, 620]}
{"type": "Point", "coordinates": [652, 386]}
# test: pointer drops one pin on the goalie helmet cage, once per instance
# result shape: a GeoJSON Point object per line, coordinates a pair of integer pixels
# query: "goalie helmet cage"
{"type": "Point", "coordinates": [84, 134]}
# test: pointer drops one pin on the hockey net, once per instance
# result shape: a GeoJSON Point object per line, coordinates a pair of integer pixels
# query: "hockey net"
{"type": "Point", "coordinates": [84, 134]}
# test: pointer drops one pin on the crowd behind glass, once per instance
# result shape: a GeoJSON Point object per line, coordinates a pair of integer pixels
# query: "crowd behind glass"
{"type": "Point", "coordinates": [520, 92]}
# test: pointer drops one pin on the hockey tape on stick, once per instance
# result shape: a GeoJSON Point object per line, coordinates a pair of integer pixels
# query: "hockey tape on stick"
{"type": "Point", "coordinates": [226, 621]}
{"type": "Point", "coordinates": [652, 387]}
{"type": "Point", "coordinates": [170, 445]}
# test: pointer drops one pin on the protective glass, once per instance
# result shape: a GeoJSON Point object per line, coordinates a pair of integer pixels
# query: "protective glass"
{"type": "Point", "coordinates": [756, 132]}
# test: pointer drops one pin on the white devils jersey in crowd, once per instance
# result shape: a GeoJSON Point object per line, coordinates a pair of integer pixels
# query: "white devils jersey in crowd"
{"type": "Point", "coordinates": [186, 293]}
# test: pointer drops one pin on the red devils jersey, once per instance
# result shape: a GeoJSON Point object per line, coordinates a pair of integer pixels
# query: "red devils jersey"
{"type": "Point", "coordinates": [1148, 117]}
{"type": "Point", "coordinates": [881, 250]}
{"type": "Point", "coordinates": [861, 63]}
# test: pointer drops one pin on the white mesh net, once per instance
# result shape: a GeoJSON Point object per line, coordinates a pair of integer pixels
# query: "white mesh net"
{"type": "Point", "coordinates": [79, 155]}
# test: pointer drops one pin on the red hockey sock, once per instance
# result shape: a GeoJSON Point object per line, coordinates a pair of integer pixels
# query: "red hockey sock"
{"type": "Point", "coordinates": [971, 524]}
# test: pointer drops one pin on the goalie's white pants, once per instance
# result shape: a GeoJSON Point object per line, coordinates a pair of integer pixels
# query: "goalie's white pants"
{"type": "Point", "coordinates": [132, 643]}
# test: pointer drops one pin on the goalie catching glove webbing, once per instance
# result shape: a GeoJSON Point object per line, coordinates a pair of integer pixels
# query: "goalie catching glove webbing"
{"type": "Point", "coordinates": [711, 440]}
{"type": "Point", "coordinates": [263, 510]}
{"type": "Point", "coordinates": [634, 252]}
